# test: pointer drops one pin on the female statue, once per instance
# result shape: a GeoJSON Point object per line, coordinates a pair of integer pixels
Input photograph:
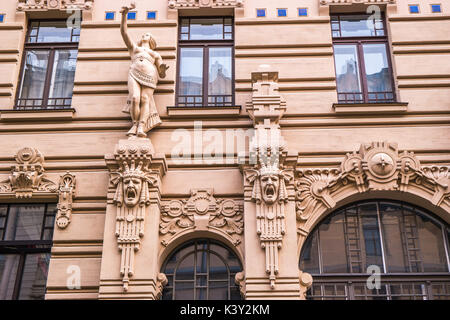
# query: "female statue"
{"type": "Point", "coordinates": [145, 68]}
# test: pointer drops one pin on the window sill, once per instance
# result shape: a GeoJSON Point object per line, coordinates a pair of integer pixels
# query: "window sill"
{"type": "Point", "coordinates": [370, 108]}
{"type": "Point", "coordinates": [205, 111]}
{"type": "Point", "coordinates": [32, 115]}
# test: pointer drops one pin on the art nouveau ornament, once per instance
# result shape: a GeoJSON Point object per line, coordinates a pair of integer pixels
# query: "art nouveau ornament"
{"type": "Point", "coordinates": [66, 192]}
{"type": "Point", "coordinates": [27, 176]}
{"type": "Point", "coordinates": [146, 68]}
{"type": "Point", "coordinates": [132, 197]}
{"type": "Point", "coordinates": [39, 5]}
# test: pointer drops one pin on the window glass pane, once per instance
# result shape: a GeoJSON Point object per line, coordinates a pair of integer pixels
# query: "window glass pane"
{"type": "Point", "coordinates": [185, 269]}
{"type": "Point", "coordinates": [218, 290]}
{"type": "Point", "coordinates": [377, 68]}
{"type": "Point", "coordinates": [34, 277]}
{"type": "Point", "coordinates": [8, 273]}
{"type": "Point", "coordinates": [309, 261]}
{"type": "Point", "coordinates": [391, 218]}
{"type": "Point", "coordinates": [370, 236]}
{"type": "Point", "coordinates": [347, 68]}
{"type": "Point", "coordinates": [219, 71]}
{"type": "Point", "coordinates": [191, 71]}
{"type": "Point", "coordinates": [35, 70]}
{"type": "Point", "coordinates": [332, 243]}
{"type": "Point", "coordinates": [202, 261]}
{"type": "Point", "coordinates": [357, 26]}
{"type": "Point", "coordinates": [431, 244]}
{"type": "Point", "coordinates": [25, 222]}
{"type": "Point", "coordinates": [217, 269]}
{"type": "Point", "coordinates": [63, 74]}
{"type": "Point", "coordinates": [54, 31]}
{"type": "Point", "coordinates": [184, 290]}
{"type": "Point", "coordinates": [206, 29]}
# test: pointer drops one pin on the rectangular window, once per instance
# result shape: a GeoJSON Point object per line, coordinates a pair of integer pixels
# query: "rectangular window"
{"type": "Point", "coordinates": [109, 15]}
{"type": "Point", "coordinates": [151, 15]}
{"type": "Point", "coordinates": [282, 12]}
{"type": "Point", "coordinates": [260, 12]}
{"type": "Point", "coordinates": [2, 18]}
{"type": "Point", "coordinates": [302, 12]}
{"type": "Point", "coordinates": [48, 67]}
{"type": "Point", "coordinates": [206, 63]}
{"type": "Point", "coordinates": [131, 16]}
{"type": "Point", "coordinates": [26, 233]}
{"type": "Point", "coordinates": [414, 8]}
{"type": "Point", "coordinates": [362, 61]}
{"type": "Point", "coordinates": [436, 8]}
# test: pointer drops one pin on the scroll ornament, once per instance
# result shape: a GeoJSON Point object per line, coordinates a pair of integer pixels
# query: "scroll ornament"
{"type": "Point", "coordinates": [349, 2]}
{"type": "Point", "coordinates": [132, 198]}
{"type": "Point", "coordinates": [27, 175]}
{"type": "Point", "coordinates": [193, 4]}
{"type": "Point", "coordinates": [66, 193]}
{"type": "Point", "coordinates": [377, 166]}
{"type": "Point", "coordinates": [269, 193]}
{"type": "Point", "coordinates": [202, 211]}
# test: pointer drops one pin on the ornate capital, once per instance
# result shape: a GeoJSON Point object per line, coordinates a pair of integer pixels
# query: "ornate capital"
{"type": "Point", "coordinates": [27, 176]}
{"type": "Point", "coordinates": [44, 5]}
{"type": "Point", "coordinates": [195, 4]}
{"type": "Point", "coordinates": [376, 166]}
{"type": "Point", "coordinates": [66, 194]}
{"type": "Point", "coordinates": [202, 212]}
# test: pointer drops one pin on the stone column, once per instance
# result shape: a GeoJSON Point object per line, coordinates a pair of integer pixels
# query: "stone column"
{"type": "Point", "coordinates": [129, 267]}
{"type": "Point", "coordinates": [271, 263]}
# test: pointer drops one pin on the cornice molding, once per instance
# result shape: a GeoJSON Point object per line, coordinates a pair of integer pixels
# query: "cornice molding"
{"type": "Point", "coordinates": [196, 4]}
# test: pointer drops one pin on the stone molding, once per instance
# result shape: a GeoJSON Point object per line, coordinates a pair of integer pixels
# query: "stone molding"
{"type": "Point", "coordinates": [202, 211]}
{"type": "Point", "coordinates": [44, 5]}
{"type": "Point", "coordinates": [28, 175]}
{"type": "Point", "coordinates": [196, 4]}
{"type": "Point", "coordinates": [377, 166]}
{"type": "Point", "coordinates": [66, 193]}
{"type": "Point", "coordinates": [239, 279]}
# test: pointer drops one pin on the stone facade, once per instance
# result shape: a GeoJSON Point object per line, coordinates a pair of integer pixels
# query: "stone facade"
{"type": "Point", "coordinates": [305, 155]}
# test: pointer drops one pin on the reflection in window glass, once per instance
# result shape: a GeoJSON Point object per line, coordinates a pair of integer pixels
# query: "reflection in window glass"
{"type": "Point", "coordinates": [371, 243]}
{"type": "Point", "coordinates": [206, 29]}
{"type": "Point", "coordinates": [8, 271]}
{"type": "Point", "coordinates": [347, 68]}
{"type": "Point", "coordinates": [63, 74]}
{"type": "Point", "coordinates": [25, 222]}
{"type": "Point", "coordinates": [219, 71]}
{"type": "Point", "coordinates": [34, 73]}
{"type": "Point", "coordinates": [34, 277]}
{"type": "Point", "coordinates": [191, 71]}
{"type": "Point", "coordinates": [201, 270]}
{"type": "Point", "coordinates": [54, 31]}
{"type": "Point", "coordinates": [377, 68]}
{"type": "Point", "coordinates": [332, 243]}
{"type": "Point", "coordinates": [310, 255]}
{"type": "Point", "coordinates": [357, 26]}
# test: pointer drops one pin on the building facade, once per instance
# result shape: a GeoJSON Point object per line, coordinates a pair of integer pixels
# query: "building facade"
{"type": "Point", "coordinates": [224, 149]}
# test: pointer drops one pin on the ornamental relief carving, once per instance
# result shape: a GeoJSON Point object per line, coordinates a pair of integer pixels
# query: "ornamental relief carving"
{"type": "Point", "coordinates": [193, 4]}
{"type": "Point", "coordinates": [27, 175]}
{"type": "Point", "coordinates": [66, 193]}
{"type": "Point", "coordinates": [376, 166]}
{"type": "Point", "coordinates": [40, 5]}
{"type": "Point", "coordinates": [132, 182]}
{"type": "Point", "coordinates": [202, 211]}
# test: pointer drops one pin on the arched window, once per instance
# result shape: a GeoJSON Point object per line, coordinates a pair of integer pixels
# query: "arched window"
{"type": "Point", "coordinates": [201, 270]}
{"type": "Point", "coordinates": [404, 243]}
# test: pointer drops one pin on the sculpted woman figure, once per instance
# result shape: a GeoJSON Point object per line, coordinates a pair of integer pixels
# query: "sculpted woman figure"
{"type": "Point", "coordinates": [146, 67]}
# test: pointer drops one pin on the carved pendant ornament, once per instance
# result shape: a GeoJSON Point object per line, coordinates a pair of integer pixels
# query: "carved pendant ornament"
{"type": "Point", "coordinates": [27, 176]}
{"type": "Point", "coordinates": [66, 193]}
{"type": "Point", "coordinates": [269, 193]}
{"type": "Point", "coordinates": [376, 166]}
{"type": "Point", "coordinates": [202, 212]}
{"type": "Point", "coordinates": [132, 198]}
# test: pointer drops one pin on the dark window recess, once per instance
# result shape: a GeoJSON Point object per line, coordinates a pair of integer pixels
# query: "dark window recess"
{"type": "Point", "coordinates": [362, 59]}
{"type": "Point", "coordinates": [409, 247]}
{"type": "Point", "coordinates": [205, 62]}
{"type": "Point", "coordinates": [201, 270]}
{"type": "Point", "coordinates": [26, 233]}
{"type": "Point", "coordinates": [48, 67]}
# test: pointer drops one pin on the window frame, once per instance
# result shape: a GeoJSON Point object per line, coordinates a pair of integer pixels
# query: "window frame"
{"type": "Point", "coordinates": [205, 45]}
{"type": "Point", "coordinates": [22, 248]}
{"type": "Point", "coordinates": [51, 47]}
{"type": "Point", "coordinates": [359, 42]}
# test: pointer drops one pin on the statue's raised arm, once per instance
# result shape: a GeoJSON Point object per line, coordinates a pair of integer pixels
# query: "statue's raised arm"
{"type": "Point", "coordinates": [146, 69]}
{"type": "Point", "coordinates": [123, 25]}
